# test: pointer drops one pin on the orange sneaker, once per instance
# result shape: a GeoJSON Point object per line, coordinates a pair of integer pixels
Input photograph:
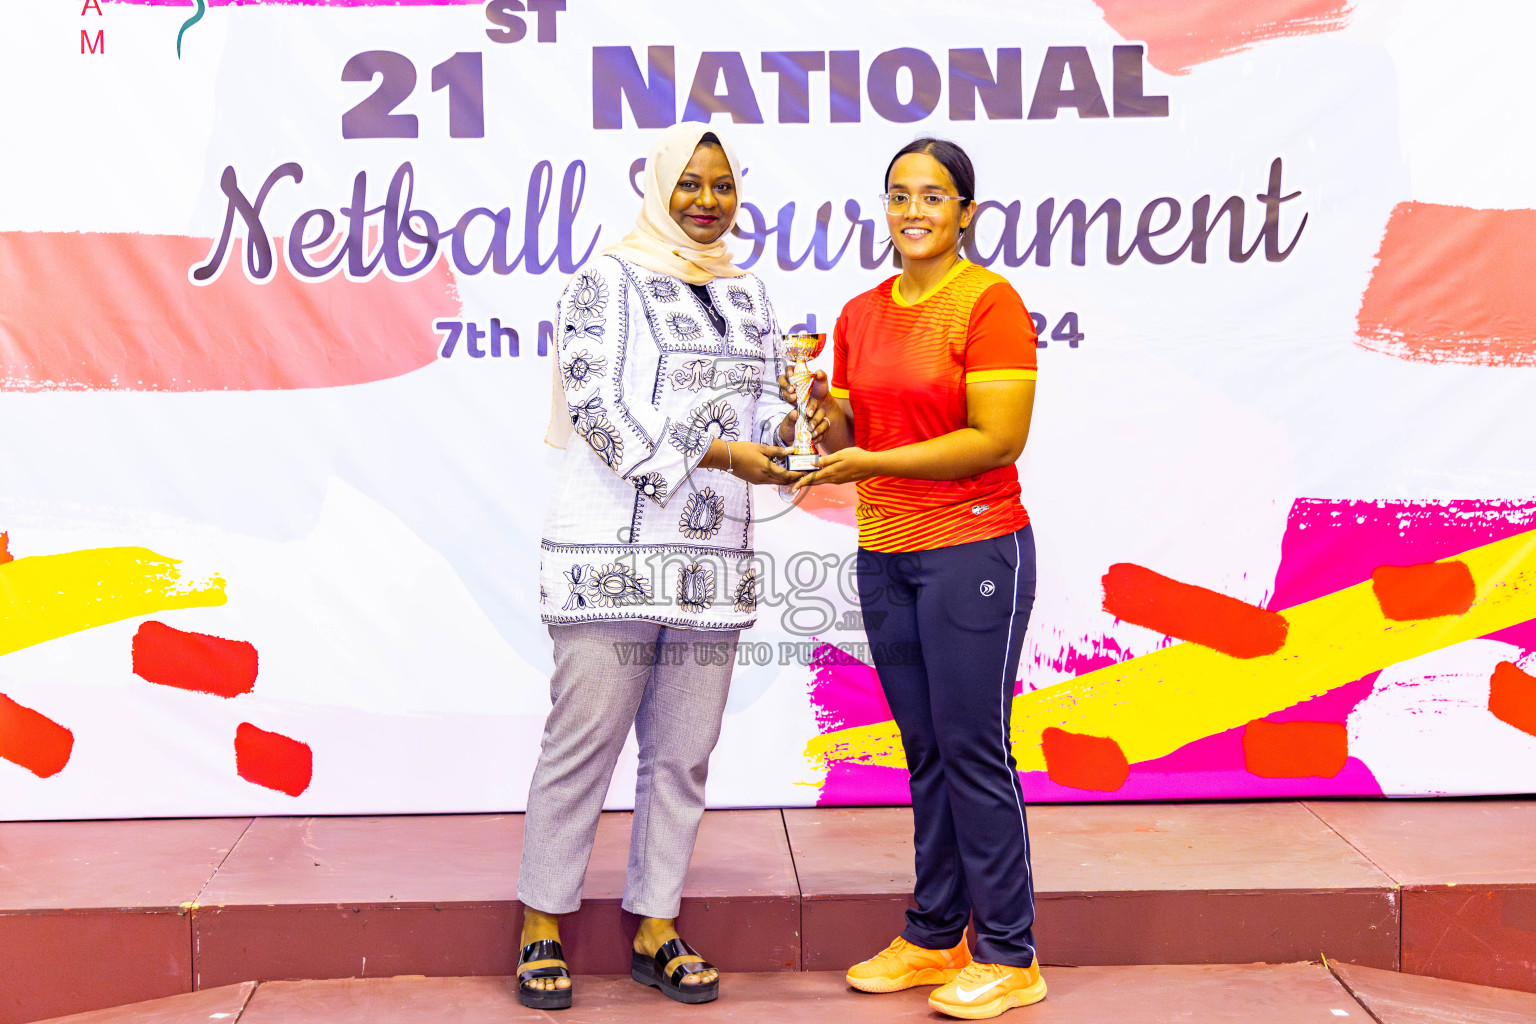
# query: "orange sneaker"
{"type": "Point", "coordinates": [903, 965]}
{"type": "Point", "coordinates": [986, 990]}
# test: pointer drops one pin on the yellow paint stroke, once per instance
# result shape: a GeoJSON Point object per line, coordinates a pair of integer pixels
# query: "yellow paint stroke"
{"type": "Point", "coordinates": [1157, 703]}
{"type": "Point", "coordinates": [47, 596]}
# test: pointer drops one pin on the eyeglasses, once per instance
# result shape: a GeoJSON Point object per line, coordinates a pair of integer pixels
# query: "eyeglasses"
{"type": "Point", "coordinates": [931, 202]}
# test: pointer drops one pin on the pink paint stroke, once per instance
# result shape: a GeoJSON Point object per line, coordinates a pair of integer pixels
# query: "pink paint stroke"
{"type": "Point", "coordinates": [1183, 34]}
{"type": "Point", "coordinates": [115, 312]}
{"type": "Point", "coordinates": [845, 692]}
{"type": "Point", "coordinates": [1074, 660]}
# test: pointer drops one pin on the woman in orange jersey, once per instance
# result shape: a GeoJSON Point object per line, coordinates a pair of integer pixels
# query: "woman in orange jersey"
{"type": "Point", "coordinates": [932, 388]}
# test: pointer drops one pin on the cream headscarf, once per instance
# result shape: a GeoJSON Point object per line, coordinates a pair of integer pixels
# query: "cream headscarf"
{"type": "Point", "coordinates": [658, 242]}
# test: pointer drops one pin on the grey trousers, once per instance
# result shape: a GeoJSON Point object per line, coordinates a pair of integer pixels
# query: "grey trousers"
{"type": "Point", "coordinates": [609, 675]}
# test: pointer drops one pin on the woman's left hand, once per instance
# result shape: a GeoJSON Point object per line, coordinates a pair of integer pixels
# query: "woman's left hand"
{"type": "Point", "coordinates": [844, 466]}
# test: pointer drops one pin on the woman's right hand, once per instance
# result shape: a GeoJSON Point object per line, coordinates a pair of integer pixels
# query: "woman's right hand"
{"type": "Point", "coordinates": [752, 462]}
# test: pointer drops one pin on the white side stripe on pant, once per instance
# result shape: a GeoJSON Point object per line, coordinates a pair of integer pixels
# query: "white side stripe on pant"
{"type": "Point", "coordinates": [1007, 688]}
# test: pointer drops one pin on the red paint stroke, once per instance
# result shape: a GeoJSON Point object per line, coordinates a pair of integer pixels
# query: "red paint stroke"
{"type": "Point", "coordinates": [1452, 285]}
{"type": "Point", "coordinates": [115, 312]}
{"type": "Point", "coordinates": [273, 760]}
{"type": "Point", "coordinates": [1512, 697]}
{"type": "Point", "coordinates": [1083, 762]}
{"type": "Point", "coordinates": [1407, 592]}
{"type": "Point", "coordinates": [33, 740]}
{"type": "Point", "coordinates": [193, 661]}
{"type": "Point", "coordinates": [5, 549]}
{"type": "Point", "coordinates": [1185, 33]}
{"type": "Point", "coordinates": [1136, 594]}
{"type": "Point", "coordinates": [1290, 750]}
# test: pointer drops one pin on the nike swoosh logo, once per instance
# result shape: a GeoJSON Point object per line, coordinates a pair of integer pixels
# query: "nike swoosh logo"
{"type": "Point", "coordinates": [967, 996]}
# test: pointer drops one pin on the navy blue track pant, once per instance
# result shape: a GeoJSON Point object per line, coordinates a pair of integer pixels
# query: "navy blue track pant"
{"type": "Point", "coordinates": [946, 627]}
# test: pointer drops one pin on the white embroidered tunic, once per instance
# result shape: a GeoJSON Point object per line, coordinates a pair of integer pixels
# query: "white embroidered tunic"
{"type": "Point", "coordinates": [635, 530]}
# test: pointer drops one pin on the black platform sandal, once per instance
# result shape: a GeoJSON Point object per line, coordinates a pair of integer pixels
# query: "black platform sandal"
{"type": "Point", "coordinates": [542, 959]}
{"type": "Point", "coordinates": [674, 961]}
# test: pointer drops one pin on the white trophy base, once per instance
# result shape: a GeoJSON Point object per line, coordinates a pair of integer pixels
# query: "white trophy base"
{"type": "Point", "coordinates": [799, 463]}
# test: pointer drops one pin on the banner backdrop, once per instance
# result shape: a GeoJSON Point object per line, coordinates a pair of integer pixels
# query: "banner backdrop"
{"type": "Point", "coordinates": [276, 289]}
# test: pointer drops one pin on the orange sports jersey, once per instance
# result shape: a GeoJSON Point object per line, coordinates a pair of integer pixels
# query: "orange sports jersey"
{"type": "Point", "coordinates": [904, 367]}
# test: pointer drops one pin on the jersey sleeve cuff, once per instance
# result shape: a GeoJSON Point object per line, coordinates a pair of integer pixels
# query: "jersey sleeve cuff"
{"type": "Point", "coordinates": [837, 392]}
{"type": "Point", "coordinates": [982, 376]}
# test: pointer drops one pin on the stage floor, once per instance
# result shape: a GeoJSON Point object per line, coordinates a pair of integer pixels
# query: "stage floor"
{"type": "Point", "coordinates": [98, 914]}
{"type": "Point", "coordinates": [1246, 994]}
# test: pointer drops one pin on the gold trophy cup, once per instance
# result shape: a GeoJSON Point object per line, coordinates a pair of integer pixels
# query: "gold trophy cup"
{"type": "Point", "coordinates": [799, 350]}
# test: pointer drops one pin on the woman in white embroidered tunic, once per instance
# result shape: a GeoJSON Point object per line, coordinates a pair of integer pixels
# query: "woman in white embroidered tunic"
{"type": "Point", "coordinates": [647, 571]}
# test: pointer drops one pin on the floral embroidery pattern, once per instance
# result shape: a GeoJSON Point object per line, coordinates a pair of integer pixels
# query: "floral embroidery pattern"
{"type": "Point", "coordinates": [703, 515]}
{"type": "Point", "coordinates": [754, 331]}
{"type": "Point", "coordinates": [582, 369]}
{"type": "Point", "coordinates": [695, 587]}
{"type": "Point", "coordinates": [616, 585]}
{"type": "Point", "coordinates": [717, 419]}
{"type": "Point", "coordinates": [588, 294]}
{"type": "Point", "coordinates": [694, 375]}
{"type": "Point", "coordinates": [578, 577]}
{"type": "Point", "coordinates": [579, 331]}
{"type": "Point", "coordinates": [684, 327]}
{"type": "Point", "coordinates": [582, 411]}
{"type": "Point", "coordinates": [746, 378]}
{"type": "Point", "coordinates": [585, 298]}
{"type": "Point", "coordinates": [687, 440]}
{"type": "Point", "coordinates": [653, 486]}
{"type": "Point", "coordinates": [739, 297]}
{"type": "Point", "coordinates": [602, 437]}
{"type": "Point", "coordinates": [662, 289]}
{"type": "Point", "coordinates": [612, 586]}
{"type": "Point", "coordinates": [746, 592]}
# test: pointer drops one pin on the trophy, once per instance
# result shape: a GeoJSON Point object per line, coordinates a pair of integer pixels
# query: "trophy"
{"type": "Point", "coordinates": [799, 350]}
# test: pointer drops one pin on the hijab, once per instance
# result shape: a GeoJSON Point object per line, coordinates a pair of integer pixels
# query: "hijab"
{"type": "Point", "coordinates": [658, 242]}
